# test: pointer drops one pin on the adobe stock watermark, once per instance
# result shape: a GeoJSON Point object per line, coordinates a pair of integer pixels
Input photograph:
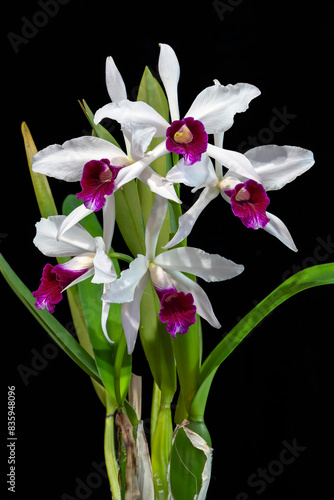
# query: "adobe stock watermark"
{"type": "Point", "coordinates": [31, 26]}
{"type": "Point", "coordinates": [3, 236]}
{"type": "Point", "coordinates": [321, 253]}
{"type": "Point", "coordinates": [278, 122]}
{"type": "Point", "coordinates": [225, 7]}
{"type": "Point", "coordinates": [85, 487]}
{"type": "Point", "coordinates": [259, 480]}
{"type": "Point", "coordinates": [40, 359]}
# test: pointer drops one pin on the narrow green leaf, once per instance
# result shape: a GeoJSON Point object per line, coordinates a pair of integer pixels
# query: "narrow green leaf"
{"type": "Point", "coordinates": [187, 352]}
{"type": "Point", "coordinates": [151, 92]}
{"type": "Point", "coordinates": [98, 130]}
{"type": "Point", "coordinates": [40, 182]}
{"type": "Point", "coordinates": [322, 274]}
{"type": "Point", "coordinates": [51, 325]}
{"type": "Point", "coordinates": [129, 218]}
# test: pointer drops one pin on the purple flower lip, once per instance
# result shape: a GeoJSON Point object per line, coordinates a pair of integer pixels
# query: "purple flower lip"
{"type": "Point", "coordinates": [54, 280]}
{"type": "Point", "coordinates": [97, 182]}
{"type": "Point", "coordinates": [187, 137]}
{"type": "Point", "coordinates": [177, 310]}
{"type": "Point", "coordinates": [249, 202]}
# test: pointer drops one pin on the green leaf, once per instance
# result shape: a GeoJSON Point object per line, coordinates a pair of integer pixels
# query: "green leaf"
{"type": "Point", "coordinates": [98, 130]}
{"type": "Point", "coordinates": [187, 352]}
{"type": "Point", "coordinates": [190, 462]}
{"type": "Point", "coordinates": [322, 274]}
{"type": "Point", "coordinates": [129, 218]}
{"type": "Point", "coordinates": [40, 182]}
{"type": "Point", "coordinates": [151, 92]}
{"type": "Point", "coordinates": [51, 325]}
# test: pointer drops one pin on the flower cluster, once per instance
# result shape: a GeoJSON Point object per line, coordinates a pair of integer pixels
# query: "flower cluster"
{"type": "Point", "coordinates": [102, 168]}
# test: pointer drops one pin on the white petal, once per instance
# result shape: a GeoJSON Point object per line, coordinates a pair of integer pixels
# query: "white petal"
{"type": "Point", "coordinates": [169, 71]}
{"type": "Point", "coordinates": [131, 314]}
{"type": "Point", "coordinates": [66, 161]}
{"type": "Point", "coordinates": [123, 289]}
{"type": "Point", "coordinates": [77, 240]}
{"type": "Point", "coordinates": [201, 300]}
{"type": "Point", "coordinates": [278, 229]}
{"type": "Point", "coordinates": [139, 138]}
{"type": "Point", "coordinates": [216, 106]}
{"type": "Point", "coordinates": [154, 225]}
{"type": "Point", "coordinates": [105, 314]}
{"type": "Point", "coordinates": [73, 218]}
{"type": "Point", "coordinates": [199, 175]}
{"type": "Point", "coordinates": [136, 113]}
{"type": "Point", "coordinates": [104, 268]}
{"type": "Point", "coordinates": [114, 81]}
{"type": "Point", "coordinates": [158, 184]}
{"type": "Point", "coordinates": [210, 267]}
{"type": "Point", "coordinates": [218, 141]}
{"type": "Point", "coordinates": [234, 161]}
{"type": "Point", "coordinates": [126, 174]}
{"type": "Point", "coordinates": [187, 220]}
{"type": "Point", "coordinates": [278, 165]}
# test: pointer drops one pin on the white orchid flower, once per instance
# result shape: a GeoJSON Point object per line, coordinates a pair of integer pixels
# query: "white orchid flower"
{"type": "Point", "coordinates": [180, 297]}
{"type": "Point", "coordinates": [89, 260]}
{"type": "Point", "coordinates": [275, 166]}
{"type": "Point", "coordinates": [212, 112]}
{"type": "Point", "coordinates": [102, 168]}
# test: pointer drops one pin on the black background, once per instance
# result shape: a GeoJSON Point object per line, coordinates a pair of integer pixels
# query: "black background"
{"type": "Point", "coordinates": [277, 386]}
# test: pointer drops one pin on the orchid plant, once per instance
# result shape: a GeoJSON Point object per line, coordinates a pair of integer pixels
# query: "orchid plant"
{"type": "Point", "coordinates": [153, 291]}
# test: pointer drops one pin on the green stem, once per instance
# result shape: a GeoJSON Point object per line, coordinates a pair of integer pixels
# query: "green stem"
{"type": "Point", "coordinates": [120, 256]}
{"type": "Point", "coordinates": [109, 449]}
{"type": "Point", "coordinates": [161, 449]}
{"type": "Point", "coordinates": [156, 399]}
